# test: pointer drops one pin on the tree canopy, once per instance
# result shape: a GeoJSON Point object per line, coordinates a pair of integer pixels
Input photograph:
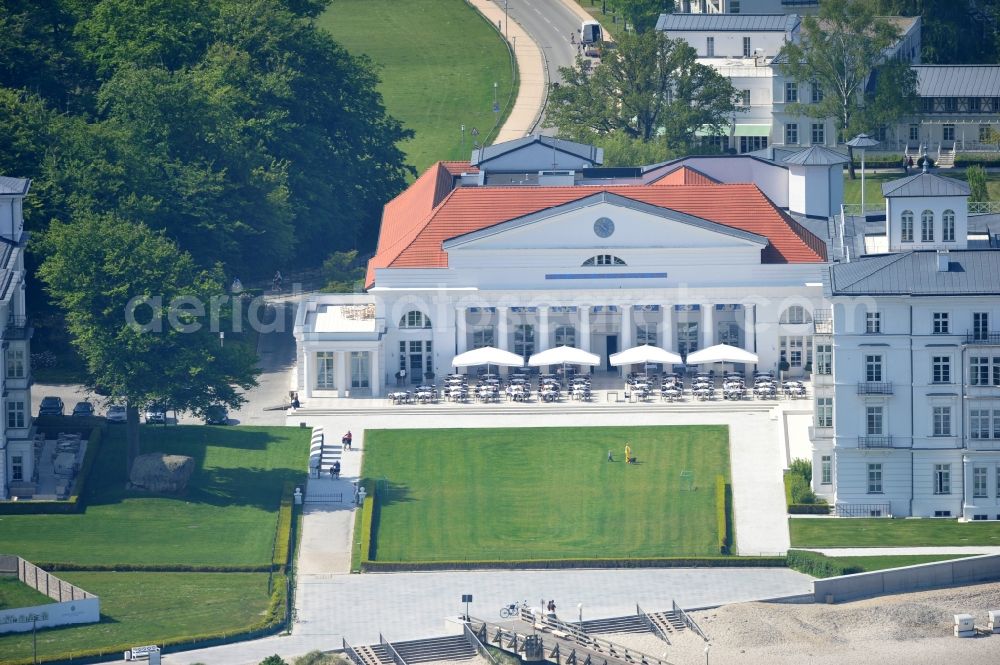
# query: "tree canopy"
{"type": "Point", "coordinates": [953, 32]}
{"type": "Point", "coordinates": [648, 89]}
{"type": "Point", "coordinates": [237, 127]}
{"type": "Point", "coordinates": [642, 14]}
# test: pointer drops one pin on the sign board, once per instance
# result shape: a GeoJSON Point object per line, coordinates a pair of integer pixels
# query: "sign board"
{"type": "Point", "coordinates": [136, 653]}
{"type": "Point", "coordinates": [24, 619]}
{"type": "Point", "coordinates": [466, 597]}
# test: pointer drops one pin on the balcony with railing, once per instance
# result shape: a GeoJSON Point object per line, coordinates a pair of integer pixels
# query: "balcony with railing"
{"type": "Point", "coordinates": [881, 441]}
{"type": "Point", "coordinates": [983, 338]}
{"type": "Point", "coordinates": [875, 388]}
{"type": "Point", "coordinates": [17, 328]}
{"type": "Point", "coordinates": [823, 322]}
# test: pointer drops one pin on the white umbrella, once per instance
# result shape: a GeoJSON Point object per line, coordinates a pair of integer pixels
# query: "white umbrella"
{"type": "Point", "coordinates": [721, 353]}
{"type": "Point", "coordinates": [487, 355]}
{"type": "Point", "coordinates": [563, 355]}
{"type": "Point", "coordinates": [646, 353]}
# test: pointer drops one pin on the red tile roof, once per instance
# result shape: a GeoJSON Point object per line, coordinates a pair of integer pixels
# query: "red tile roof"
{"type": "Point", "coordinates": [418, 221]}
{"type": "Point", "coordinates": [685, 175]}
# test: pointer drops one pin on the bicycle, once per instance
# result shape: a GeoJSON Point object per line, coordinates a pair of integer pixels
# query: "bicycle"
{"type": "Point", "coordinates": [513, 610]}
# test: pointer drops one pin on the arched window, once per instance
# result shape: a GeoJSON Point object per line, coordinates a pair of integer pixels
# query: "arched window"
{"type": "Point", "coordinates": [796, 314]}
{"type": "Point", "coordinates": [906, 229]}
{"type": "Point", "coordinates": [927, 226]}
{"type": "Point", "coordinates": [948, 226]}
{"type": "Point", "coordinates": [604, 260]}
{"type": "Point", "coordinates": [415, 319]}
{"type": "Point", "coordinates": [565, 336]}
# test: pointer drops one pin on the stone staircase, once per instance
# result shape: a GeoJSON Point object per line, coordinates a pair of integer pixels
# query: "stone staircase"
{"type": "Point", "coordinates": [375, 654]}
{"type": "Point", "coordinates": [946, 158]}
{"type": "Point", "coordinates": [626, 624]}
{"type": "Point", "coordinates": [453, 647]}
{"type": "Point", "coordinates": [668, 622]}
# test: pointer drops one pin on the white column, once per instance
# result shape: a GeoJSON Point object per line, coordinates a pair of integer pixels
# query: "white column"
{"type": "Point", "coordinates": [542, 338]}
{"type": "Point", "coordinates": [748, 328]}
{"type": "Point", "coordinates": [584, 333]}
{"type": "Point", "coordinates": [667, 338]}
{"type": "Point", "coordinates": [375, 381]}
{"type": "Point", "coordinates": [503, 334]}
{"type": "Point", "coordinates": [308, 358]}
{"type": "Point", "coordinates": [626, 333]}
{"type": "Point", "coordinates": [707, 321]}
{"type": "Point", "coordinates": [342, 373]}
{"type": "Point", "coordinates": [461, 331]}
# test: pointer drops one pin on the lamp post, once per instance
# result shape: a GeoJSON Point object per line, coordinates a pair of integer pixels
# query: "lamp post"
{"type": "Point", "coordinates": [708, 648]}
{"type": "Point", "coordinates": [862, 141]}
{"type": "Point", "coordinates": [579, 609]}
{"type": "Point", "coordinates": [505, 35]}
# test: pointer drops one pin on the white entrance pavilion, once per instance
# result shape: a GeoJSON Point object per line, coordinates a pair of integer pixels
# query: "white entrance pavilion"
{"type": "Point", "coordinates": [467, 259]}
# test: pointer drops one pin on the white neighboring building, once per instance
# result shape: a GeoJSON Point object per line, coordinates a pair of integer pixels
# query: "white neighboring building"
{"type": "Point", "coordinates": [16, 447]}
{"type": "Point", "coordinates": [907, 417]}
{"type": "Point", "coordinates": [747, 6]}
{"type": "Point", "coordinates": [526, 259]}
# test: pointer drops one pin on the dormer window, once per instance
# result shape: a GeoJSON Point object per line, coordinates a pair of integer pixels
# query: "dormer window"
{"type": "Point", "coordinates": [604, 260]}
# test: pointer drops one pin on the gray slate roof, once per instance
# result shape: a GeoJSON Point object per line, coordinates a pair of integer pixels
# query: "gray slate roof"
{"type": "Point", "coordinates": [971, 272]}
{"type": "Point", "coordinates": [925, 184]}
{"type": "Point", "coordinates": [13, 185]}
{"type": "Point", "coordinates": [816, 156]}
{"type": "Point", "coordinates": [727, 22]}
{"type": "Point", "coordinates": [958, 80]}
{"type": "Point", "coordinates": [591, 153]}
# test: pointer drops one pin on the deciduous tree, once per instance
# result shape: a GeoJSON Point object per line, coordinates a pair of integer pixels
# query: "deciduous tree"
{"type": "Point", "coordinates": [642, 14]}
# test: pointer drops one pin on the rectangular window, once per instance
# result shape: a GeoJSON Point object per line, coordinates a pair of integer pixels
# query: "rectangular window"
{"type": "Point", "coordinates": [817, 93]}
{"type": "Point", "coordinates": [984, 133]}
{"type": "Point", "coordinates": [791, 133]}
{"type": "Point", "coordinates": [979, 370]}
{"type": "Point", "coordinates": [950, 106]}
{"type": "Point", "coordinates": [942, 478]}
{"type": "Point", "coordinates": [17, 468]}
{"type": "Point", "coordinates": [15, 413]}
{"type": "Point", "coordinates": [874, 478]}
{"type": "Point", "coordinates": [914, 132]}
{"type": "Point", "coordinates": [745, 98]}
{"type": "Point", "coordinates": [996, 426]}
{"type": "Point", "coordinates": [927, 104]}
{"type": "Point", "coordinates": [734, 6]}
{"type": "Point", "coordinates": [818, 133]}
{"type": "Point", "coordinates": [873, 323]}
{"type": "Point", "coordinates": [824, 412]}
{"type": "Point", "coordinates": [941, 369]}
{"type": "Point", "coordinates": [746, 48]}
{"type": "Point", "coordinates": [940, 323]}
{"type": "Point", "coordinates": [687, 337]}
{"type": "Point", "coordinates": [942, 420]}
{"type": "Point", "coordinates": [874, 421]}
{"type": "Point", "coordinates": [979, 479]}
{"type": "Point", "coordinates": [873, 368]}
{"type": "Point", "coordinates": [979, 423]}
{"type": "Point", "coordinates": [975, 104]}
{"type": "Point", "coordinates": [947, 132]}
{"type": "Point", "coordinates": [980, 325]}
{"type": "Point", "coordinates": [524, 340]}
{"type": "Point", "coordinates": [948, 226]}
{"type": "Point", "coordinates": [710, 47]}
{"type": "Point", "coordinates": [824, 359]}
{"type": "Point", "coordinates": [646, 334]}
{"type": "Point", "coordinates": [826, 470]}
{"type": "Point", "coordinates": [15, 363]}
{"type": "Point", "coordinates": [325, 375]}
{"type": "Point", "coordinates": [361, 369]}
{"type": "Point", "coordinates": [791, 92]}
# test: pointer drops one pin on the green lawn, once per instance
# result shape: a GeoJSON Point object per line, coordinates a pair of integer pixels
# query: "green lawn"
{"type": "Point", "coordinates": [14, 593]}
{"type": "Point", "coordinates": [536, 493]}
{"type": "Point", "coordinates": [871, 563]}
{"type": "Point", "coordinates": [227, 517]}
{"type": "Point", "coordinates": [147, 608]}
{"type": "Point", "coordinates": [873, 185]}
{"type": "Point", "coordinates": [891, 533]}
{"type": "Point", "coordinates": [439, 60]}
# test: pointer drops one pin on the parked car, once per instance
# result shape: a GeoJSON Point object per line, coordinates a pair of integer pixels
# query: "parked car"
{"type": "Point", "coordinates": [83, 410]}
{"type": "Point", "coordinates": [116, 414]}
{"type": "Point", "coordinates": [156, 414]}
{"type": "Point", "coordinates": [216, 415]}
{"type": "Point", "coordinates": [51, 406]}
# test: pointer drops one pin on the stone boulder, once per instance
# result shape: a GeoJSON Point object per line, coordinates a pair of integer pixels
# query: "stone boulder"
{"type": "Point", "coordinates": [161, 473]}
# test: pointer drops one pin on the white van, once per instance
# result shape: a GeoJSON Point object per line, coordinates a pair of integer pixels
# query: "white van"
{"type": "Point", "coordinates": [590, 33]}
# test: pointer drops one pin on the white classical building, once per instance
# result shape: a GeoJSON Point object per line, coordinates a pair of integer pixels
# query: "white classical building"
{"type": "Point", "coordinates": [17, 457]}
{"type": "Point", "coordinates": [684, 255]}
{"type": "Point", "coordinates": [907, 381]}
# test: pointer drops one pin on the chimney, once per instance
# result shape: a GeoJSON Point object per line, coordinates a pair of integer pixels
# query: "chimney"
{"type": "Point", "coordinates": [942, 260]}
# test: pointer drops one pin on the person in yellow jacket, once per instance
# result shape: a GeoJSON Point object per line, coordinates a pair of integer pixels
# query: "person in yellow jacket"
{"type": "Point", "coordinates": [628, 454]}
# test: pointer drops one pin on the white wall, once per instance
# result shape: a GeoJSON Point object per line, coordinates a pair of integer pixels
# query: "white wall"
{"type": "Point", "coordinates": [896, 206]}
{"type": "Point", "coordinates": [19, 620]}
{"type": "Point", "coordinates": [528, 158]}
{"type": "Point", "coordinates": [730, 43]}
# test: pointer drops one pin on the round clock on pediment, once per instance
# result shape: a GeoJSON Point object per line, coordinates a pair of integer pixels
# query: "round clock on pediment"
{"type": "Point", "coordinates": [604, 227]}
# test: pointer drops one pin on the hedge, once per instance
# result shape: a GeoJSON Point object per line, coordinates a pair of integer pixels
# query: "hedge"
{"type": "Point", "coordinates": [723, 505]}
{"type": "Point", "coordinates": [283, 530]}
{"type": "Point", "coordinates": [809, 508]}
{"type": "Point", "coordinates": [819, 565]}
{"type": "Point", "coordinates": [552, 564]}
{"type": "Point", "coordinates": [55, 566]}
{"type": "Point", "coordinates": [820, 507]}
{"type": "Point", "coordinates": [91, 429]}
{"type": "Point", "coordinates": [367, 529]}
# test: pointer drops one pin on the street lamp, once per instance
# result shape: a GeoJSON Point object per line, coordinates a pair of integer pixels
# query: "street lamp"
{"type": "Point", "coordinates": [579, 609]}
{"type": "Point", "coordinates": [505, 36]}
{"type": "Point", "coordinates": [708, 647]}
{"type": "Point", "coordinates": [862, 141]}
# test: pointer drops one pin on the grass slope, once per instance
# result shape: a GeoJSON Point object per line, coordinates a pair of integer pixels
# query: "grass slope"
{"type": "Point", "coordinates": [228, 516]}
{"type": "Point", "coordinates": [873, 185]}
{"type": "Point", "coordinates": [872, 563]}
{"type": "Point", "coordinates": [439, 60]}
{"type": "Point", "coordinates": [14, 593]}
{"type": "Point", "coordinates": [891, 533]}
{"type": "Point", "coordinates": [146, 608]}
{"type": "Point", "coordinates": [536, 493]}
